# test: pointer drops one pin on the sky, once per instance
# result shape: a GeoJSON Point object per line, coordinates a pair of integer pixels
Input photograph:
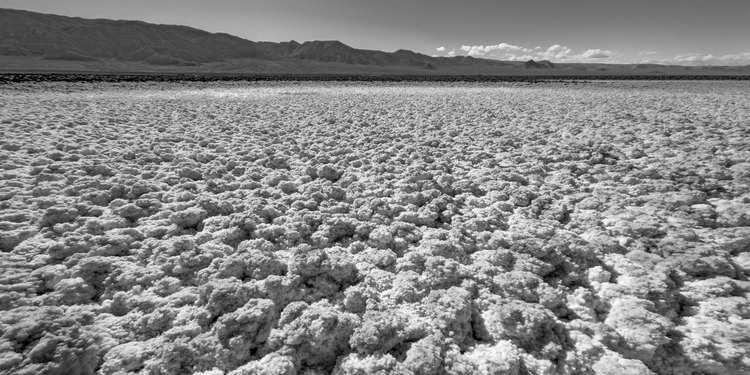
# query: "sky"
{"type": "Point", "coordinates": [685, 32]}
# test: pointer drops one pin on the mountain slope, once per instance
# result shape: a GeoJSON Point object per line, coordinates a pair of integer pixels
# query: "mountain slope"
{"type": "Point", "coordinates": [54, 37]}
{"type": "Point", "coordinates": [57, 37]}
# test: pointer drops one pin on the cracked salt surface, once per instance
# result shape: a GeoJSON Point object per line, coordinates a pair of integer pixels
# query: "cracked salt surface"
{"type": "Point", "coordinates": [357, 228]}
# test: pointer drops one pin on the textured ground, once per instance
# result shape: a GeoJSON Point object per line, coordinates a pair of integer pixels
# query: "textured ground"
{"type": "Point", "coordinates": [581, 228]}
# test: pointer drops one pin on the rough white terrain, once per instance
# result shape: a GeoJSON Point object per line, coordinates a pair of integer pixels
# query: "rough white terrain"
{"type": "Point", "coordinates": [580, 228]}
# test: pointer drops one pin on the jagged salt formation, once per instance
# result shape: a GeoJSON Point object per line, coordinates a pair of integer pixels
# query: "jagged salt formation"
{"type": "Point", "coordinates": [599, 228]}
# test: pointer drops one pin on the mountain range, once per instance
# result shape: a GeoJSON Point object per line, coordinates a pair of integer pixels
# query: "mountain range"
{"type": "Point", "coordinates": [31, 41]}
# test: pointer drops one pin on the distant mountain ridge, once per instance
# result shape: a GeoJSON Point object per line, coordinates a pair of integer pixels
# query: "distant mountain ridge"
{"type": "Point", "coordinates": [31, 41]}
{"type": "Point", "coordinates": [544, 64]}
{"type": "Point", "coordinates": [24, 33]}
{"type": "Point", "coordinates": [54, 37]}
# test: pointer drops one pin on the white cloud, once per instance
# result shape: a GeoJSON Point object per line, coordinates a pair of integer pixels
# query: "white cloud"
{"type": "Point", "coordinates": [440, 49]}
{"type": "Point", "coordinates": [692, 58]}
{"type": "Point", "coordinates": [510, 47]}
{"type": "Point", "coordinates": [555, 52]}
{"type": "Point", "coordinates": [562, 53]}
{"type": "Point", "coordinates": [473, 50]}
{"type": "Point", "coordinates": [596, 54]}
{"type": "Point", "coordinates": [514, 57]}
{"type": "Point", "coordinates": [696, 59]}
{"type": "Point", "coordinates": [481, 50]}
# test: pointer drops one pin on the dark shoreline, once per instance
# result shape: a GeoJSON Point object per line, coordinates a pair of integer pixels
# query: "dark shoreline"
{"type": "Point", "coordinates": [212, 77]}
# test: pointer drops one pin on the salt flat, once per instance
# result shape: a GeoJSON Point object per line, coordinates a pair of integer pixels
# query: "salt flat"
{"type": "Point", "coordinates": [281, 228]}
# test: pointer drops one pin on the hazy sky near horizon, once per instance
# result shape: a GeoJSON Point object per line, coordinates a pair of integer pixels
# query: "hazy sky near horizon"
{"type": "Point", "coordinates": [687, 32]}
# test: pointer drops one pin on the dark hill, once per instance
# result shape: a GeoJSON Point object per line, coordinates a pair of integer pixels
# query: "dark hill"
{"type": "Point", "coordinates": [54, 37]}
{"type": "Point", "coordinates": [544, 64]}
{"type": "Point", "coordinates": [57, 37]}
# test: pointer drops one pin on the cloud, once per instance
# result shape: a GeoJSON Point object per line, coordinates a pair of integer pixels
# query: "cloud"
{"type": "Point", "coordinates": [596, 54]}
{"type": "Point", "coordinates": [692, 58]}
{"type": "Point", "coordinates": [555, 52]}
{"type": "Point", "coordinates": [510, 47]}
{"type": "Point", "coordinates": [472, 50]}
{"type": "Point", "coordinates": [514, 57]}
{"type": "Point", "coordinates": [563, 53]}
{"type": "Point", "coordinates": [440, 49]}
{"type": "Point", "coordinates": [481, 50]}
{"type": "Point", "coordinates": [696, 59]}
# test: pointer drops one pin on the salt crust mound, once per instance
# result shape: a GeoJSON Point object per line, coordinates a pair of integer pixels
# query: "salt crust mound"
{"type": "Point", "coordinates": [597, 228]}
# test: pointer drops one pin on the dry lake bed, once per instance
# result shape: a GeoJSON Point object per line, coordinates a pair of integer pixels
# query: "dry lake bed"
{"type": "Point", "coordinates": [362, 228]}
